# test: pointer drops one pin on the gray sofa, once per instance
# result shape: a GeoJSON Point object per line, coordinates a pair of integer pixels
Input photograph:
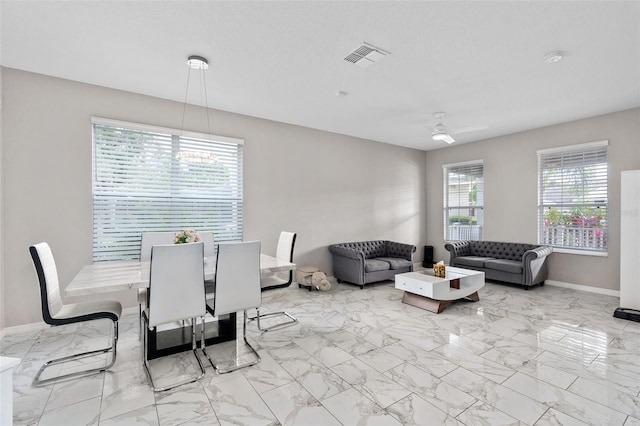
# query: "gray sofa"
{"type": "Point", "coordinates": [517, 263]}
{"type": "Point", "coordinates": [366, 262]}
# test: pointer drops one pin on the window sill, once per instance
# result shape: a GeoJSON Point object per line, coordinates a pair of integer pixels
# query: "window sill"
{"type": "Point", "coordinates": [581, 252]}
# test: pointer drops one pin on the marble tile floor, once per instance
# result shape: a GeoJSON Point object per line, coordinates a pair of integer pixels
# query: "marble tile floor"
{"type": "Point", "coordinates": [547, 356]}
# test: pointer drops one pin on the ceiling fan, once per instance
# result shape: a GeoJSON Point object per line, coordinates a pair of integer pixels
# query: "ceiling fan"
{"type": "Point", "coordinates": [440, 132]}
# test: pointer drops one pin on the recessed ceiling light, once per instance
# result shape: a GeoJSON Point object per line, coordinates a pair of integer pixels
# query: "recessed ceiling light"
{"type": "Point", "coordinates": [198, 62]}
{"type": "Point", "coordinates": [552, 57]}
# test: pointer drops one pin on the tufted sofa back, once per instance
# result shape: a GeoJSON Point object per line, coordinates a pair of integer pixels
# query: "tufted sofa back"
{"type": "Point", "coordinates": [499, 250]}
{"type": "Point", "coordinates": [370, 249]}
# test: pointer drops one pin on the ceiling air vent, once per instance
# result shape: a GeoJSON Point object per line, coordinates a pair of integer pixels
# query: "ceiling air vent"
{"type": "Point", "coordinates": [365, 55]}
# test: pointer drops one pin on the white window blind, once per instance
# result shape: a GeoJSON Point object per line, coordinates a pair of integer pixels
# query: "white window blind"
{"type": "Point", "coordinates": [148, 179]}
{"type": "Point", "coordinates": [572, 201]}
{"type": "Point", "coordinates": [463, 201]}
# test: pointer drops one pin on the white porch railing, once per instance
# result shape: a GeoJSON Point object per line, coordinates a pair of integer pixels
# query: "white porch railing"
{"type": "Point", "coordinates": [464, 232]}
{"type": "Point", "coordinates": [575, 237]}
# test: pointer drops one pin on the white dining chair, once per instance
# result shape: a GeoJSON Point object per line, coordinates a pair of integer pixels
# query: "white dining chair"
{"type": "Point", "coordinates": [237, 288]}
{"type": "Point", "coordinates": [56, 313]}
{"type": "Point", "coordinates": [284, 251]}
{"type": "Point", "coordinates": [150, 239]}
{"type": "Point", "coordinates": [176, 293]}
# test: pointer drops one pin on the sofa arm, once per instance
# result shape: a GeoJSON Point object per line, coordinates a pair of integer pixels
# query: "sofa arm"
{"type": "Point", "coordinates": [401, 250]}
{"type": "Point", "coordinates": [348, 264]}
{"type": "Point", "coordinates": [457, 248]}
{"type": "Point", "coordinates": [534, 264]}
{"type": "Point", "coordinates": [340, 250]}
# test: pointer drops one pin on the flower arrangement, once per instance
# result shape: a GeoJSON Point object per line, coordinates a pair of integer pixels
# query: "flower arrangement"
{"type": "Point", "coordinates": [186, 236]}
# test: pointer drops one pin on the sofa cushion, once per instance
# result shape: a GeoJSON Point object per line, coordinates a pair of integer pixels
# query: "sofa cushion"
{"type": "Point", "coordinates": [374, 265]}
{"type": "Point", "coordinates": [395, 262]}
{"type": "Point", "coordinates": [512, 266]}
{"type": "Point", "coordinates": [474, 261]}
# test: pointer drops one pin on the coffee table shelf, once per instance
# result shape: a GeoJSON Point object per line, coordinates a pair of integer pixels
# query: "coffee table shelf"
{"type": "Point", "coordinates": [424, 290]}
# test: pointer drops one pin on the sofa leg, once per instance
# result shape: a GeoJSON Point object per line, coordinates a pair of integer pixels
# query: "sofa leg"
{"type": "Point", "coordinates": [361, 286]}
{"type": "Point", "coordinates": [339, 280]}
{"type": "Point", "coordinates": [526, 287]}
{"type": "Point", "coordinates": [542, 284]}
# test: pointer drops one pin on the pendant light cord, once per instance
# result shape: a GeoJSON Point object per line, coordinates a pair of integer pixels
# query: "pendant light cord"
{"type": "Point", "coordinates": [203, 84]}
{"type": "Point", "coordinates": [206, 102]}
{"type": "Point", "coordinates": [184, 104]}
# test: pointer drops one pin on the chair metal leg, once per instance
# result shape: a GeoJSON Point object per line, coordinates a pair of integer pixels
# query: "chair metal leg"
{"type": "Point", "coordinates": [113, 347]}
{"type": "Point", "coordinates": [147, 368]}
{"type": "Point", "coordinates": [292, 320]}
{"type": "Point", "coordinates": [236, 366]}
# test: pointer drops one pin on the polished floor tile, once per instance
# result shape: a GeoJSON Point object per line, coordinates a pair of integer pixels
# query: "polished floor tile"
{"type": "Point", "coordinates": [547, 356]}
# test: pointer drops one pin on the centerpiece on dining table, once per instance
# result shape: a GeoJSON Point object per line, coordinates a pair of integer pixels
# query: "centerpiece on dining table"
{"type": "Point", "coordinates": [186, 236]}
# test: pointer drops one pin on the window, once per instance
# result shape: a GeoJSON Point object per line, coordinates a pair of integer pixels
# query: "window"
{"type": "Point", "coordinates": [155, 179]}
{"type": "Point", "coordinates": [572, 200]}
{"type": "Point", "coordinates": [463, 201]}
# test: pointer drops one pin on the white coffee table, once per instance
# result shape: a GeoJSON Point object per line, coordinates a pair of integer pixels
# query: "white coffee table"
{"type": "Point", "coordinates": [424, 290]}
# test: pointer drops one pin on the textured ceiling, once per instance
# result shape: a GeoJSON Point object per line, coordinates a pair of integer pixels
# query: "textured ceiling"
{"type": "Point", "coordinates": [481, 62]}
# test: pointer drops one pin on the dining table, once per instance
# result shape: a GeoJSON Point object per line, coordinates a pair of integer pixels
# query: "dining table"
{"type": "Point", "coordinates": [114, 276]}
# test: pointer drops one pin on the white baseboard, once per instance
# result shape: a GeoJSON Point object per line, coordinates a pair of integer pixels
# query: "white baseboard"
{"type": "Point", "coordinates": [579, 287]}
{"type": "Point", "coordinates": [417, 266]}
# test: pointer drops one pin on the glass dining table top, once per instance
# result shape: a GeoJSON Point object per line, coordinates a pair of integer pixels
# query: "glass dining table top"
{"type": "Point", "coordinates": [112, 276]}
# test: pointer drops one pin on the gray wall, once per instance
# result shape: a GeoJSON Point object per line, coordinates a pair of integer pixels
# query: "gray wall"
{"type": "Point", "coordinates": [510, 182]}
{"type": "Point", "coordinates": [326, 187]}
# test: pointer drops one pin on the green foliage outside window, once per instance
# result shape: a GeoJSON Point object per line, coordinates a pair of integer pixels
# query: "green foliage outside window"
{"type": "Point", "coordinates": [592, 217]}
{"type": "Point", "coordinates": [463, 220]}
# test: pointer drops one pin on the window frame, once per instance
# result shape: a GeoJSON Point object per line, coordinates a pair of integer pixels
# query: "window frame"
{"type": "Point", "coordinates": [469, 232]}
{"type": "Point", "coordinates": [601, 205]}
{"type": "Point", "coordinates": [184, 185]}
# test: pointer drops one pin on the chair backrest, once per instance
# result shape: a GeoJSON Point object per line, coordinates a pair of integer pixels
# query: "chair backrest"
{"type": "Point", "coordinates": [209, 246]}
{"type": "Point", "coordinates": [237, 277]}
{"type": "Point", "coordinates": [176, 287]}
{"type": "Point", "coordinates": [150, 239]}
{"type": "Point", "coordinates": [284, 251]}
{"type": "Point", "coordinates": [47, 272]}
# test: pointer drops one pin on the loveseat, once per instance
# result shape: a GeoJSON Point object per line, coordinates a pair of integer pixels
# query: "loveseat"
{"type": "Point", "coordinates": [517, 263]}
{"type": "Point", "coordinates": [366, 262]}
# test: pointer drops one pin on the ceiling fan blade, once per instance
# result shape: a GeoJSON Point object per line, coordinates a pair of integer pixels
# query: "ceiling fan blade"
{"type": "Point", "coordinates": [442, 136]}
{"type": "Point", "coordinates": [468, 129]}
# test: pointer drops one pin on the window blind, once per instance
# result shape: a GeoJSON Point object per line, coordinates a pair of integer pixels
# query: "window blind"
{"type": "Point", "coordinates": [464, 201]}
{"type": "Point", "coordinates": [573, 197]}
{"type": "Point", "coordinates": [157, 180]}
